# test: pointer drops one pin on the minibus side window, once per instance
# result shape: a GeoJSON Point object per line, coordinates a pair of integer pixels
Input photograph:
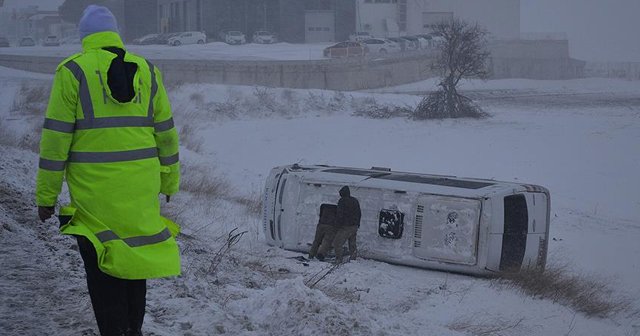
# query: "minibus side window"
{"type": "Point", "coordinates": [390, 224]}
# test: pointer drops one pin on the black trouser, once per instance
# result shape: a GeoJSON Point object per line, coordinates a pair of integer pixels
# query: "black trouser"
{"type": "Point", "coordinates": [117, 303]}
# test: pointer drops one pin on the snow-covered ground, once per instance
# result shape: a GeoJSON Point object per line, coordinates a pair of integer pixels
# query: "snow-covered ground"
{"type": "Point", "coordinates": [585, 149]}
{"type": "Point", "coordinates": [210, 51]}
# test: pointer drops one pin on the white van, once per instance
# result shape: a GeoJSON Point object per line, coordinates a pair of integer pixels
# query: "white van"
{"type": "Point", "coordinates": [188, 38]}
{"type": "Point", "coordinates": [447, 223]}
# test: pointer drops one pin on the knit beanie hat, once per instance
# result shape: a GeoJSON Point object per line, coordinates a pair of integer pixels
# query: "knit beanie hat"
{"type": "Point", "coordinates": [96, 19]}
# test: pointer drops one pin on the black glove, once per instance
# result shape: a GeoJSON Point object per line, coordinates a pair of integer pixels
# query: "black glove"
{"type": "Point", "coordinates": [45, 212]}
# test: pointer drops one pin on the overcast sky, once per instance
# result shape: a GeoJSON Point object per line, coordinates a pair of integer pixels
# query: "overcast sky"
{"type": "Point", "coordinates": [597, 29]}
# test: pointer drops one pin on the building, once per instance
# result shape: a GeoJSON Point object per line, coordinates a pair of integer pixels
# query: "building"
{"type": "Point", "coordinates": [33, 22]}
{"type": "Point", "coordinates": [135, 17]}
{"type": "Point", "coordinates": [390, 18]}
{"type": "Point", "coordinates": [292, 20]}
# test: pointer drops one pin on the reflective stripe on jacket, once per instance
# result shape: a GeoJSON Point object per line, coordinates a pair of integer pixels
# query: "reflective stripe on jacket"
{"type": "Point", "coordinates": [116, 157]}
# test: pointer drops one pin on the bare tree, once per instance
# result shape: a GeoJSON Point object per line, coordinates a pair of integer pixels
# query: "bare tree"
{"type": "Point", "coordinates": [463, 54]}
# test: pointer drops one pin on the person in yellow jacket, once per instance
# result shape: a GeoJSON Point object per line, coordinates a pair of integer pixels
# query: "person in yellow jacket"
{"type": "Point", "coordinates": [109, 132]}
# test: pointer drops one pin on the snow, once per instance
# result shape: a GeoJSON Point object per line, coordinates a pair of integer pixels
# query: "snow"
{"type": "Point", "coordinates": [209, 51]}
{"type": "Point", "coordinates": [580, 139]}
{"type": "Point", "coordinates": [528, 86]}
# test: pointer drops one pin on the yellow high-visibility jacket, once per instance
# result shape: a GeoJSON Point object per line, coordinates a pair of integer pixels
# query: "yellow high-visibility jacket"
{"type": "Point", "coordinates": [116, 158]}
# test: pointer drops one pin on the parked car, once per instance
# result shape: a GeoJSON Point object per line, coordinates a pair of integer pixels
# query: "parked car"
{"type": "Point", "coordinates": [147, 39]}
{"type": "Point", "coordinates": [263, 37]}
{"type": "Point", "coordinates": [436, 41]}
{"type": "Point", "coordinates": [4, 42]}
{"type": "Point", "coordinates": [423, 42]}
{"type": "Point", "coordinates": [433, 41]}
{"type": "Point", "coordinates": [27, 42]}
{"type": "Point", "coordinates": [413, 43]}
{"type": "Point", "coordinates": [71, 40]}
{"type": "Point", "coordinates": [346, 49]}
{"type": "Point", "coordinates": [191, 37]}
{"type": "Point", "coordinates": [164, 38]}
{"type": "Point", "coordinates": [402, 43]}
{"type": "Point", "coordinates": [234, 37]}
{"type": "Point", "coordinates": [381, 46]}
{"type": "Point", "coordinates": [51, 41]}
{"type": "Point", "coordinates": [360, 36]}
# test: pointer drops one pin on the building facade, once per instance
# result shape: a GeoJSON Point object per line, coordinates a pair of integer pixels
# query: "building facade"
{"type": "Point", "coordinates": [389, 18]}
{"type": "Point", "coordinates": [292, 20]}
{"type": "Point", "coordinates": [135, 17]}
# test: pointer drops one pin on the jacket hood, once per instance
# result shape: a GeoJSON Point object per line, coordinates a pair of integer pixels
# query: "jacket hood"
{"type": "Point", "coordinates": [345, 192]}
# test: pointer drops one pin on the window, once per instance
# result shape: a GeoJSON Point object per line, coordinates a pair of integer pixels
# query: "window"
{"type": "Point", "coordinates": [516, 227]}
{"type": "Point", "coordinates": [328, 213]}
{"type": "Point", "coordinates": [390, 224]}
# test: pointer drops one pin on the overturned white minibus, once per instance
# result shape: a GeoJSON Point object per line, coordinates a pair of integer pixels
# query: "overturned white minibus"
{"type": "Point", "coordinates": [464, 225]}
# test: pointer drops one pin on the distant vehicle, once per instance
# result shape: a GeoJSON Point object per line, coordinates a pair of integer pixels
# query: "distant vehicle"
{"type": "Point", "coordinates": [346, 49]}
{"type": "Point", "coordinates": [27, 42]}
{"type": "Point", "coordinates": [381, 46]}
{"type": "Point", "coordinates": [51, 41]}
{"type": "Point", "coordinates": [234, 37]}
{"type": "Point", "coordinates": [412, 42]}
{"type": "Point", "coordinates": [4, 42]}
{"type": "Point", "coordinates": [464, 225]}
{"type": "Point", "coordinates": [263, 37]}
{"type": "Point", "coordinates": [191, 37]}
{"type": "Point", "coordinates": [402, 43]}
{"type": "Point", "coordinates": [359, 36]}
{"type": "Point", "coordinates": [433, 41]}
{"type": "Point", "coordinates": [437, 41]}
{"type": "Point", "coordinates": [164, 38]}
{"type": "Point", "coordinates": [147, 39]}
{"type": "Point", "coordinates": [423, 42]}
{"type": "Point", "coordinates": [71, 40]}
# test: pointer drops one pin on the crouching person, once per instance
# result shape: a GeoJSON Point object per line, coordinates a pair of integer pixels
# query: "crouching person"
{"type": "Point", "coordinates": [348, 221]}
{"type": "Point", "coordinates": [325, 232]}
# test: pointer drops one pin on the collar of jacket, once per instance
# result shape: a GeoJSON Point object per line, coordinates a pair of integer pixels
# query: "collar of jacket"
{"type": "Point", "coordinates": [101, 40]}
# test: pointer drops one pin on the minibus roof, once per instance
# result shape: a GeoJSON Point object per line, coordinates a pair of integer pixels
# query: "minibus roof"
{"type": "Point", "coordinates": [404, 181]}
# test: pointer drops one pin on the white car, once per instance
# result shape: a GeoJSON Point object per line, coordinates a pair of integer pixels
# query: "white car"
{"type": "Point", "coordinates": [263, 37]}
{"type": "Point", "coordinates": [360, 36]}
{"type": "Point", "coordinates": [381, 46]}
{"type": "Point", "coordinates": [51, 41]}
{"type": "Point", "coordinates": [192, 37]}
{"type": "Point", "coordinates": [234, 37]}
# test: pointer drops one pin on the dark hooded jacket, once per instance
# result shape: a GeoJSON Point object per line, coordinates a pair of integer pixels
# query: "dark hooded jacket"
{"type": "Point", "coordinates": [348, 211]}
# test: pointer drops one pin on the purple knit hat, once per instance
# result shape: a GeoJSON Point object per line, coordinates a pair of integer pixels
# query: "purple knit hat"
{"type": "Point", "coordinates": [96, 19]}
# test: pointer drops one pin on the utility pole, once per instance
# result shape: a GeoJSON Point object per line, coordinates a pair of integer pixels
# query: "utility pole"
{"type": "Point", "coordinates": [264, 6]}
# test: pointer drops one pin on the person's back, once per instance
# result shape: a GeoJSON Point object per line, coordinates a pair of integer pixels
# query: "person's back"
{"type": "Point", "coordinates": [348, 215]}
{"type": "Point", "coordinates": [348, 212]}
{"type": "Point", "coordinates": [109, 130]}
{"type": "Point", "coordinates": [325, 232]}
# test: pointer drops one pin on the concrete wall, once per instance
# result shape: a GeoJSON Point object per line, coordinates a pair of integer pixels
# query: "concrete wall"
{"type": "Point", "coordinates": [348, 74]}
{"type": "Point", "coordinates": [510, 59]}
{"type": "Point", "coordinates": [625, 70]}
{"type": "Point", "coordinates": [541, 59]}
